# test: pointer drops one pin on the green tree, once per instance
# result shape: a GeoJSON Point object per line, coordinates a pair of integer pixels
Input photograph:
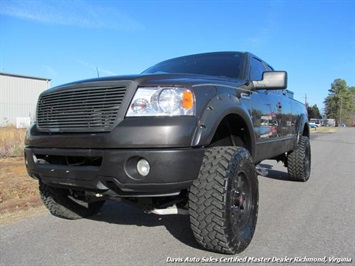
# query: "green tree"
{"type": "Point", "coordinates": [339, 103]}
{"type": "Point", "coordinates": [313, 111]}
{"type": "Point", "coordinates": [352, 111]}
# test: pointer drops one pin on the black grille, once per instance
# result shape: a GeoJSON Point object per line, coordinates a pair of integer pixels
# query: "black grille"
{"type": "Point", "coordinates": [79, 110]}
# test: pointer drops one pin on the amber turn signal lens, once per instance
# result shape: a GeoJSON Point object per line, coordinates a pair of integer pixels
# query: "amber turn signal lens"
{"type": "Point", "coordinates": [187, 100]}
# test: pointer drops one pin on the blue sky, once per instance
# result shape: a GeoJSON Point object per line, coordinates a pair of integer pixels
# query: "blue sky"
{"type": "Point", "coordinates": [313, 40]}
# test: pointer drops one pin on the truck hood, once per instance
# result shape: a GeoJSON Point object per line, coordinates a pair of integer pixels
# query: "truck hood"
{"type": "Point", "coordinates": [155, 80]}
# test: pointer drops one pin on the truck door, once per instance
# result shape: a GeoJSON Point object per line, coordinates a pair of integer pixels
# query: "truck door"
{"type": "Point", "coordinates": [266, 107]}
{"type": "Point", "coordinates": [285, 111]}
{"type": "Point", "coordinates": [267, 114]}
{"type": "Point", "coordinates": [287, 120]}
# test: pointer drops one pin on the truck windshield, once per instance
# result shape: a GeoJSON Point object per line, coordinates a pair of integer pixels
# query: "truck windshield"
{"type": "Point", "coordinates": [222, 64]}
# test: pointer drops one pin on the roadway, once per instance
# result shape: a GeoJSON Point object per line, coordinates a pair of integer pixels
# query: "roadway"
{"type": "Point", "coordinates": [296, 222]}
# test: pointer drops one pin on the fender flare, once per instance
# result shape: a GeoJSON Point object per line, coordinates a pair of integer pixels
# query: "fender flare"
{"type": "Point", "coordinates": [215, 111]}
{"type": "Point", "coordinates": [302, 128]}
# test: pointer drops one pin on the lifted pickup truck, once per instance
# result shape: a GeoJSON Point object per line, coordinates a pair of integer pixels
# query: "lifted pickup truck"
{"type": "Point", "coordinates": [184, 136]}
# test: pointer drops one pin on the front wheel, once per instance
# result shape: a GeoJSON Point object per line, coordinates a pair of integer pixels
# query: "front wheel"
{"type": "Point", "coordinates": [61, 203]}
{"type": "Point", "coordinates": [223, 201]}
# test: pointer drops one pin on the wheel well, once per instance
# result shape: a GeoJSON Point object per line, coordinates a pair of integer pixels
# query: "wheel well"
{"type": "Point", "coordinates": [306, 130]}
{"type": "Point", "coordinates": [232, 131]}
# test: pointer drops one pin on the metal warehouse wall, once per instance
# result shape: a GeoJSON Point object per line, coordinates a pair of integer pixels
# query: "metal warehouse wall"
{"type": "Point", "coordinates": [18, 96]}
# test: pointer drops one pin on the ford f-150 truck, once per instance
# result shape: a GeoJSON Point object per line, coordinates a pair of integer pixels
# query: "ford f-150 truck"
{"type": "Point", "coordinates": [185, 136]}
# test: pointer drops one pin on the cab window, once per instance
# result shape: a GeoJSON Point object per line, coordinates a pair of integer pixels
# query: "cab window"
{"type": "Point", "coordinates": [256, 69]}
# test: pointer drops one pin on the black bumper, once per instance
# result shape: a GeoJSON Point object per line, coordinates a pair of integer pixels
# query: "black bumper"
{"type": "Point", "coordinates": [114, 170]}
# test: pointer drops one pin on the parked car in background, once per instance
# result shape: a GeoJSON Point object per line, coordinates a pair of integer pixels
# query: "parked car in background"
{"type": "Point", "coordinates": [312, 125]}
{"type": "Point", "coordinates": [316, 121]}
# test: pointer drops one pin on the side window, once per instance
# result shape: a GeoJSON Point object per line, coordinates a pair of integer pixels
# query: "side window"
{"type": "Point", "coordinates": [256, 69]}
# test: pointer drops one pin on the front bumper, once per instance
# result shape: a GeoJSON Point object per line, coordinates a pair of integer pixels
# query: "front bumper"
{"type": "Point", "coordinates": [113, 171]}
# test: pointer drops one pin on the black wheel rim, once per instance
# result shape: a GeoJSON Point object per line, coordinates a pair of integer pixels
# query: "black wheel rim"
{"type": "Point", "coordinates": [240, 200]}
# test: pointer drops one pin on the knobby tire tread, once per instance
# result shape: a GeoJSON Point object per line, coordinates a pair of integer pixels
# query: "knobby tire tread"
{"type": "Point", "coordinates": [59, 204]}
{"type": "Point", "coordinates": [207, 202]}
{"type": "Point", "coordinates": [295, 161]}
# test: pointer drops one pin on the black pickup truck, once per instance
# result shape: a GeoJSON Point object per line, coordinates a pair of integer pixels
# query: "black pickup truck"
{"type": "Point", "coordinates": [185, 136]}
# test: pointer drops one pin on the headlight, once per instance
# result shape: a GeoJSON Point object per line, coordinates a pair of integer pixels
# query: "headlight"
{"type": "Point", "coordinates": [162, 101]}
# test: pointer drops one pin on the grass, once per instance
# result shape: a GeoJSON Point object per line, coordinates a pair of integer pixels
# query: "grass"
{"type": "Point", "coordinates": [324, 129]}
{"type": "Point", "coordinates": [11, 141]}
{"type": "Point", "coordinates": [19, 192]}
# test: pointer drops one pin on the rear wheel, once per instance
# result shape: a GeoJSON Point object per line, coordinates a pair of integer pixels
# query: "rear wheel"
{"type": "Point", "coordinates": [223, 201]}
{"type": "Point", "coordinates": [61, 203]}
{"type": "Point", "coordinates": [299, 161]}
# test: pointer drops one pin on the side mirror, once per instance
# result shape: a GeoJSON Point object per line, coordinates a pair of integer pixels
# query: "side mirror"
{"type": "Point", "coordinates": [272, 80]}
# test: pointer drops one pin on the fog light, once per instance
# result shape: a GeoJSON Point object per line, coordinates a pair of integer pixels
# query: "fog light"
{"type": "Point", "coordinates": [143, 167]}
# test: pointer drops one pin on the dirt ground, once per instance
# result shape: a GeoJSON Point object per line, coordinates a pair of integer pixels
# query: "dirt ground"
{"type": "Point", "coordinates": [19, 196]}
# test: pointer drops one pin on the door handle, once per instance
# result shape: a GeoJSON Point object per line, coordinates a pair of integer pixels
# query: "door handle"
{"type": "Point", "coordinates": [245, 95]}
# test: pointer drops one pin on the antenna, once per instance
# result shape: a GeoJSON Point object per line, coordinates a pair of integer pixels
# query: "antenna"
{"type": "Point", "coordinates": [97, 71]}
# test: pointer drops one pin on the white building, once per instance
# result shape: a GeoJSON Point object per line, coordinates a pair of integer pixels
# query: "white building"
{"type": "Point", "coordinates": [18, 98]}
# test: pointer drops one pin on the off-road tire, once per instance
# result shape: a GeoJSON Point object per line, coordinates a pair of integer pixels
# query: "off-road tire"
{"type": "Point", "coordinates": [60, 203]}
{"type": "Point", "coordinates": [223, 201]}
{"type": "Point", "coordinates": [299, 161]}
